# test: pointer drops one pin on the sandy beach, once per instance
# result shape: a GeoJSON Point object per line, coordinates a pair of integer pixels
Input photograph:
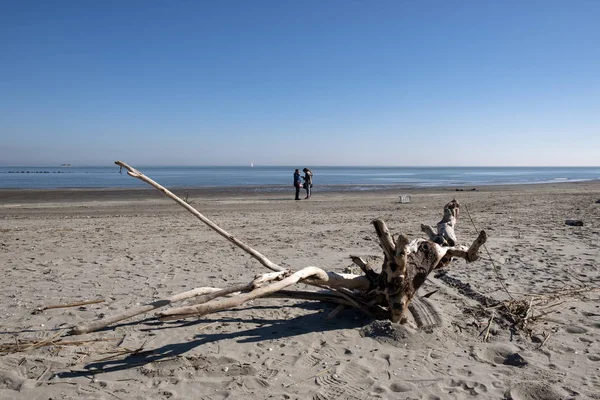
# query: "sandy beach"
{"type": "Point", "coordinates": [131, 247]}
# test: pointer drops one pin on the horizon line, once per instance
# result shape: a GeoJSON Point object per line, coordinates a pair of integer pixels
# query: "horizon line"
{"type": "Point", "coordinates": [66, 166]}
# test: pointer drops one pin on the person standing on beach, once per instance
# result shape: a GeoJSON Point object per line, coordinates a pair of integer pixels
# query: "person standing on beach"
{"type": "Point", "coordinates": [297, 183]}
{"type": "Point", "coordinates": [308, 181]}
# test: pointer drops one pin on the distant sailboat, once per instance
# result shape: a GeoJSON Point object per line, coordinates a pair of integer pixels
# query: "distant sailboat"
{"type": "Point", "coordinates": [251, 164]}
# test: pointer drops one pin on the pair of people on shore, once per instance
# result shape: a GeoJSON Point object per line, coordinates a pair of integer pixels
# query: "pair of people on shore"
{"type": "Point", "coordinates": [307, 185]}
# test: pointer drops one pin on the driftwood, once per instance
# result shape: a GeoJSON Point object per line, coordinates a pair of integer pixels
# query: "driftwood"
{"type": "Point", "coordinates": [407, 264]}
{"type": "Point", "coordinates": [384, 295]}
{"type": "Point", "coordinates": [76, 304]}
{"type": "Point", "coordinates": [444, 236]}
{"type": "Point", "coordinates": [102, 323]}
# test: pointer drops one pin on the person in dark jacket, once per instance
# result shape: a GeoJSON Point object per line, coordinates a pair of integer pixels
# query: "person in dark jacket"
{"type": "Point", "coordinates": [308, 181]}
{"type": "Point", "coordinates": [297, 183]}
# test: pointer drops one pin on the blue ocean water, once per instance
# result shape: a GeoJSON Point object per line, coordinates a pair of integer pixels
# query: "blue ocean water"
{"type": "Point", "coordinates": [263, 178]}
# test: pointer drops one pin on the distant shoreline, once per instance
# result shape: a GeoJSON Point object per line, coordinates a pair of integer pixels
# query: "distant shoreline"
{"type": "Point", "coordinates": [278, 179]}
{"type": "Point", "coordinates": [9, 196]}
{"type": "Point", "coordinates": [140, 167]}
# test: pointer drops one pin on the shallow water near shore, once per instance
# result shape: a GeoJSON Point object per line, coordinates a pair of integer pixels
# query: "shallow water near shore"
{"type": "Point", "coordinates": [278, 178]}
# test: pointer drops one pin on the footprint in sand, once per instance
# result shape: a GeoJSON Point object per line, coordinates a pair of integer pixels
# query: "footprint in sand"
{"type": "Point", "coordinates": [533, 391]}
{"type": "Point", "coordinates": [575, 329]}
{"type": "Point", "coordinates": [402, 387]}
{"type": "Point", "coordinates": [308, 361]}
{"type": "Point", "coordinates": [470, 387]}
{"type": "Point", "coordinates": [500, 354]}
{"type": "Point", "coordinates": [352, 381]}
{"type": "Point", "coordinates": [11, 380]}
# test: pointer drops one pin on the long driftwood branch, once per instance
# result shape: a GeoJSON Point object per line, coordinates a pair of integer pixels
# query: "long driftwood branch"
{"type": "Point", "coordinates": [325, 296]}
{"type": "Point", "coordinates": [262, 259]}
{"type": "Point", "coordinates": [256, 282]}
{"type": "Point", "coordinates": [102, 323]}
{"type": "Point", "coordinates": [204, 293]}
{"type": "Point", "coordinates": [334, 279]}
{"type": "Point", "coordinates": [223, 304]}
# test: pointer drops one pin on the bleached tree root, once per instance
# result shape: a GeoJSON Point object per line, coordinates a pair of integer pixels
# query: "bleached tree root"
{"type": "Point", "coordinates": [407, 264]}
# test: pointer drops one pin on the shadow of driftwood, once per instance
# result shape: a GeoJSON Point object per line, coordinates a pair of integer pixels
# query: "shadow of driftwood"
{"type": "Point", "coordinates": [266, 329]}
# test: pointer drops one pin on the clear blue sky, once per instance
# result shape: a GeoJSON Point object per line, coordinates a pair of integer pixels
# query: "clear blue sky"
{"type": "Point", "coordinates": [300, 82]}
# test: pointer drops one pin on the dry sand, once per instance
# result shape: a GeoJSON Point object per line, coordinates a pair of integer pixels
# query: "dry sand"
{"type": "Point", "coordinates": [132, 247]}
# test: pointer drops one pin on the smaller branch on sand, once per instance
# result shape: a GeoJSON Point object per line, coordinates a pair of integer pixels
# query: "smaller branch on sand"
{"type": "Point", "coordinates": [19, 345]}
{"type": "Point", "coordinates": [76, 304]}
{"type": "Point", "coordinates": [546, 337]}
{"type": "Point", "coordinates": [487, 328]}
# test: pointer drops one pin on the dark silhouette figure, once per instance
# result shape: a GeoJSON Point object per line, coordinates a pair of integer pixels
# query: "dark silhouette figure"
{"type": "Point", "coordinates": [308, 181]}
{"type": "Point", "coordinates": [297, 183]}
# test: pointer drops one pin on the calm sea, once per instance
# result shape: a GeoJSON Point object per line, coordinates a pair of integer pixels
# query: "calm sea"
{"type": "Point", "coordinates": [280, 178]}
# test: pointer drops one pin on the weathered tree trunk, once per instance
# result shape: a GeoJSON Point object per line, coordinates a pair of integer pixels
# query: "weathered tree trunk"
{"type": "Point", "coordinates": [407, 264]}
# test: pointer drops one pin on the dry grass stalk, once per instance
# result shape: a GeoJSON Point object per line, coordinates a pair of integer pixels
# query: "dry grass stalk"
{"type": "Point", "coordinates": [546, 337]}
{"type": "Point", "coordinates": [19, 345]}
{"type": "Point", "coordinates": [520, 313]}
{"type": "Point", "coordinates": [486, 336]}
{"type": "Point", "coordinates": [76, 304]}
{"type": "Point", "coordinates": [122, 352]}
{"type": "Point", "coordinates": [207, 326]}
